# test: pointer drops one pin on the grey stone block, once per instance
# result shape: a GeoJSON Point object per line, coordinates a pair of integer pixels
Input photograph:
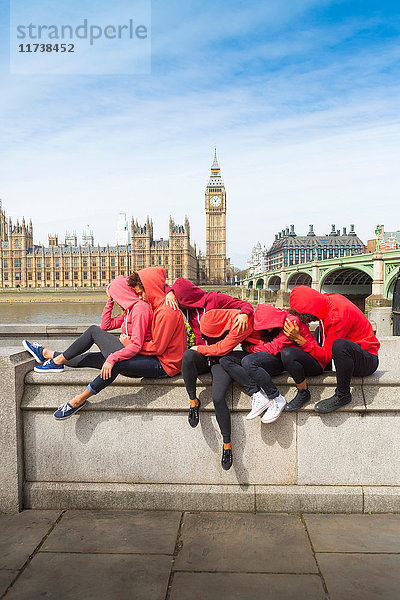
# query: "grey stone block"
{"type": "Point", "coordinates": [12, 372]}
{"type": "Point", "coordinates": [93, 577]}
{"type": "Point", "coordinates": [121, 496]}
{"type": "Point", "coordinates": [309, 499]}
{"type": "Point", "coordinates": [20, 534]}
{"type": "Point", "coordinates": [115, 532]}
{"type": "Point", "coordinates": [263, 454]}
{"type": "Point", "coordinates": [381, 499]}
{"type": "Point", "coordinates": [361, 576]}
{"type": "Point", "coordinates": [251, 543]}
{"type": "Point", "coordinates": [246, 586]}
{"type": "Point", "coordinates": [348, 449]}
{"type": "Point", "coordinates": [354, 533]}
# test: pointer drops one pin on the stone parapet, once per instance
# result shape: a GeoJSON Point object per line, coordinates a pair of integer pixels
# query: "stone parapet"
{"type": "Point", "coordinates": [131, 447]}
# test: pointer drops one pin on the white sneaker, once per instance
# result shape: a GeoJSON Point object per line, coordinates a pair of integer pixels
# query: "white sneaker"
{"type": "Point", "coordinates": [259, 403]}
{"type": "Point", "coordinates": [274, 411]}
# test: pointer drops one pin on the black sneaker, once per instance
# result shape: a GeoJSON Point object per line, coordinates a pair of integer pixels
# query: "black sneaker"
{"type": "Point", "coordinates": [333, 403]}
{"type": "Point", "coordinates": [226, 460]}
{"type": "Point", "coordinates": [193, 417]}
{"type": "Point", "coordinates": [300, 399]}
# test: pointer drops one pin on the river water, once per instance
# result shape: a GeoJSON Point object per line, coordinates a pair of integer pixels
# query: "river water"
{"type": "Point", "coordinates": [51, 313]}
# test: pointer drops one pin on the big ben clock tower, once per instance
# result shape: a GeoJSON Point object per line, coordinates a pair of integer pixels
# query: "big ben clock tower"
{"type": "Point", "coordinates": [215, 226]}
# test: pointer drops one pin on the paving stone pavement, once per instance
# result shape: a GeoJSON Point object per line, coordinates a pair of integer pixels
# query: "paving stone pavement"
{"type": "Point", "coordinates": [146, 555]}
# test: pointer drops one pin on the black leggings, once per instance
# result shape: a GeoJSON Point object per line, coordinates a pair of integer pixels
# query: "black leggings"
{"type": "Point", "coordinates": [299, 364]}
{"type": "Point", "coordinates": [137, 366]}
{"type": "Point", "coordinates": [194, 364]}
{"type": "Point", "coordinates": [350, 359]}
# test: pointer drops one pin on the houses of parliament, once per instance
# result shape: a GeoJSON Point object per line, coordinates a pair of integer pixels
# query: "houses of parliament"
{"type": "Point", "coordinates": [23, 264]}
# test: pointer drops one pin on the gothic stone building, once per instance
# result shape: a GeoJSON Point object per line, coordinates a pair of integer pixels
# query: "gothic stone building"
{"type": "Point", "coordinates": [25, 264]}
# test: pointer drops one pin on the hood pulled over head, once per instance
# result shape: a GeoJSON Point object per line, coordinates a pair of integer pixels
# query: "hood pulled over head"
{"type": "Point", "coordinates": [304, 299]}
{"type": "Point", "coordinates": [120, 291]}
{"type": "Point", "coordinates": [189, 294]}
{"type": "Point", "coordinates": [267, 316]}
{"type": "Point", "coordinates": [216, 322]}
{"type": "Point", "coordinates": [153, 280]}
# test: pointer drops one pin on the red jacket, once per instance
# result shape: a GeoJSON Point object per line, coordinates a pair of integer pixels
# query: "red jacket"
{"type": "Point", "coordinates": [267, 316]}
{"type": "Point", "coordinates": [135, 323]}
{"type": "Point", "coordinates": [341, 319]}
{"type": "Point", "coordinates": [214, 324]}
{"type": "Point", "coordinates": [195, 302]}
{"type": "Point", "coordinates": [168, 328]}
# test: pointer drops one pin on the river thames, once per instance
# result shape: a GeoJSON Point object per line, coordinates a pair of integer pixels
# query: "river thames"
{"type": "Point", "coordinates": [51, 313]}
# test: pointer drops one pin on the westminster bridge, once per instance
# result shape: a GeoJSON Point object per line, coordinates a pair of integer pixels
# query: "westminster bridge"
{"type": "Point", "coordinates": [362, 275]}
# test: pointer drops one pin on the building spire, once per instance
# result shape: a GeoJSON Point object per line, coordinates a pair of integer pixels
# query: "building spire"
{"type": "Point", "coordinates": [215, 164]}
{"type": "Point", "coordinates": [215, 178]}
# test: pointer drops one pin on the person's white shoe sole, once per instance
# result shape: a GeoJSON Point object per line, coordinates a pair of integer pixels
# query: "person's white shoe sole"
{"type": "Point", "coordinates": [54, 371]}
{"type": "Point", "coordinates": [259, 412]}
{"type": "Point", "coordinates": [271, 420]}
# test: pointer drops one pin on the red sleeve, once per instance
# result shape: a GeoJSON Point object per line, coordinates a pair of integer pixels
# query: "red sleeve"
{"type": "Point", "coordinates": [164, 326]}
{"type": "Point", "coordinates": [107, 322]}
{"type": "Point", "coordinates": [167, 288]}
{"type": "Point", "coordinates": [281, 340]}
{"type": "Point", "coordinates": [224, 346]}
{"type": "Point", "coordinates": [141, 319]}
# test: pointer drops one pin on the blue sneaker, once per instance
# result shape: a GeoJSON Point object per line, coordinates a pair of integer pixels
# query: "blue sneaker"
{"type": "Point", "coordinates": [35, 349]}
{"type": "Point", "coordinates": [66, 410]}
{"type": "Point", "coordinates": [49, 367]}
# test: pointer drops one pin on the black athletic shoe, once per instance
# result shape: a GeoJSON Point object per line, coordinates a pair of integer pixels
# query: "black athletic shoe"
{"type": "Point", "coordinates": [332, 403]}
{"type": "Point", "coordinates": [193, 417]}
{"type": "Point", "coordinates": [300, 399]}
{"type": "Point", "coordinates": [226, 460]}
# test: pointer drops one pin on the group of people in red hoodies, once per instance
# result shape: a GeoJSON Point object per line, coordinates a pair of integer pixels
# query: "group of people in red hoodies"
{"type": "Point", "coordinates": [153, 343]}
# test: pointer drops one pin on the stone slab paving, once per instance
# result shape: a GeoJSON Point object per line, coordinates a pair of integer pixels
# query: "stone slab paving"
{"type": "Point", "coordinates": [246, 586]}
{"type": "Point", "coordinates": [93, 577]}
{"type": "Point", "coordinates": [154, 555]}
{"type": "Point", "coordinates": [115, 532]}
{"type": "Point", "coordinates": [354, 533]}
{"type": "Point", "coordinates": [252, 543]}
{"type": "Point", "coordinates": [20, 534]}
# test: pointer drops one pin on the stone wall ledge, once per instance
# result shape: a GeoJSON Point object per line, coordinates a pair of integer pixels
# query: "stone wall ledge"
{"type": "Point", "coordinates": [379, 392]}
{"type": "Point", "coordinates": [192, 497]}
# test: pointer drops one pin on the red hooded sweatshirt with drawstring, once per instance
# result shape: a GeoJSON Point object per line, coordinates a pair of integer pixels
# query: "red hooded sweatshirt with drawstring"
{"type": "Point", "coordinates": [214, 324]}
{"type": "Point", "coordinates": [197, 302]}
{"type": "Point", "coordinates": [341, 319]}
{"type": "Point", "coordinates": [135, 323]}
{"type": "Point", "coordinates": [267, 316]}
{"type": "Point", "coordinates": [168, 328]}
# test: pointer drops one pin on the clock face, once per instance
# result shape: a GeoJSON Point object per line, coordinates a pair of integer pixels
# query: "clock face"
{"type": "Point", "coordinates": [215, 201]}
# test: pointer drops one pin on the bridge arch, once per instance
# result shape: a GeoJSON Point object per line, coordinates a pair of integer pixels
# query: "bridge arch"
{"type": "Point", "coordinates": [389, 285]}
{"type": "Point", "coordinates": [298, 279]}
{"type": "Point", "coordinates": [260, 283]}
{"type": "Point", "coordinates": [274, 283]}
{"type": "Point", "coordinates": [250, 284]}
{"type": "Point", "coordinates": [352, 282]}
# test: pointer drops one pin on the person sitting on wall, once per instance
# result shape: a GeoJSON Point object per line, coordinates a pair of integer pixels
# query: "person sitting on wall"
{"type": "Point", "coordinates": [194, 303]}
{"type": "Point", "coordinates": [348, 339]}
{"type": "Point", "coordinates": [151, 345]}
{"type": "Point", "coordinates": [270, 355]}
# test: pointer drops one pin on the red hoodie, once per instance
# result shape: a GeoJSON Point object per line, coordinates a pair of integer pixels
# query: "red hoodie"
{"type": "Point", "coordinates": [267, 316]}
{"type": "Point", "coordinates": [197, 302]}
{"type": "Point", "coordinates": [135, 323]}
{"type": "Point", "coordinates": [168, 328]}
{"type": "Point", "coordinates": [214, 324]}
{"type": "Point", "coordinates": [341, 319]}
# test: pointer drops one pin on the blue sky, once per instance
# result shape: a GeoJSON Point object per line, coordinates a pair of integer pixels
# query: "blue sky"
{"type": "Point", "coordinates": [301, 97]}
